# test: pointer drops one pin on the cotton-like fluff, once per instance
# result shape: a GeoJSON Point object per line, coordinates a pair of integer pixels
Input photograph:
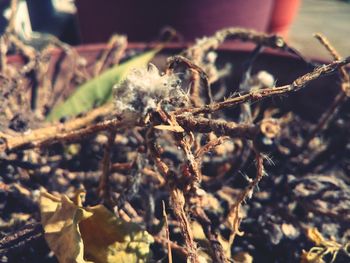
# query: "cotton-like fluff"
{"type": "Point", "coordinates": [144, 88]}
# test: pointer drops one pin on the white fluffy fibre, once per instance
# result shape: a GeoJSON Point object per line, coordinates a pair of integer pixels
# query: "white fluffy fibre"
{"type": "Point", "coordinates": [144, 88]}
{"type": "Point", "coordinates": [265, 79]}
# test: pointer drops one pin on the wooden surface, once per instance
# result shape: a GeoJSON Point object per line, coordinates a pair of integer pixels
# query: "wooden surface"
{"type": "Point", "coordinates": [330, 17]}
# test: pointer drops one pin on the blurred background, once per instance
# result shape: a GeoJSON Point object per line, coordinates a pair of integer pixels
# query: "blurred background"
{"type": "Point", "coordinates": [94, 21]}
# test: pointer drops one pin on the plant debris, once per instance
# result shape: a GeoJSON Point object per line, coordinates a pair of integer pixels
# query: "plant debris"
{"type": "Point", "coordinates": [179, 163]}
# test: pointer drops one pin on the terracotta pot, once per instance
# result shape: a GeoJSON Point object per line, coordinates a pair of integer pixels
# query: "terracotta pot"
{"type": "Point", "coordinates": [282, 16]}
{"type": "Point", "coordinates": [143, 20]}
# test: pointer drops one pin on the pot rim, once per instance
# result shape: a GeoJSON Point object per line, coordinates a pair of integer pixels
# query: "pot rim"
{"type": "Point", "coordinates": [237, 47]}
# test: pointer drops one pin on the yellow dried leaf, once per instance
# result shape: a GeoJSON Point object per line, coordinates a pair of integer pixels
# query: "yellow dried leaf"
{"type": "Point", "coordinates": [60, 218]}
{"type": "Point", "coordinates": [110, 239]}
{"type": "Point", "coordinates": [77, 234]}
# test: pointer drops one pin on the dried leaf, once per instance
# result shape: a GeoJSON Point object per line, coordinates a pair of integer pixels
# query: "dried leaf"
{"type": "Point", "coordinates": [77, 234]}
{"type": "Point", "coordinates": [110, 239]}
{"type": "Point", "coordinates": [60, 218]}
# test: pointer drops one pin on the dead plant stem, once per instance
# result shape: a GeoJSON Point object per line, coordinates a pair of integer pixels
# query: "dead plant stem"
{"type": "Point", "coordinates": [269, 92]}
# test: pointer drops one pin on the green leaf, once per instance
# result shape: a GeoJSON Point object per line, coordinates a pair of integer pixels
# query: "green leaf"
{"type": "Point", "coordinates": [98, 90]}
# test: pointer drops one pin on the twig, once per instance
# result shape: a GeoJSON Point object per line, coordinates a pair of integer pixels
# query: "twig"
{"type": "Point", "coordinates": [178, 203]}
{"type": "Point", "coordinates": [12, 20]}
{"type": "Point", "coordinates": [175, 247]}
{"type": "Point", "coordinates": [341, 97]}
{"type": "Point", "coordinates": [246, 111]}
{"type": "Point", "coordinates": [198, 75]}
{"type": "Point", "coordinates": [81, 134]}
{"type": "Point", "coordinates": [170, 256]}
{"type": "Point", "coordinates": [59, 132]}
{"type": "Point", "coordinates": [216, 247]}
{"type": "Point", "coordinates": [114, 42]}
{"type": "Point", "coordinates": [269, 127]}
{"type": "Point", "coordinates": [133, 185]}
{"type": "Point", "coordinates": [233, 218]}
{"type": "Point", "coordinates": [117, 167]}
{"type": "Point", "coordinates": [154, 153]}
{"type": "Point", "coordinates": [73, 131]}
{"type": "Point", "coordinates": [344, 75]}
{"type": "Point", "coordinates": [104, 186]}
{"type": "Point", "coordinates": [157, 177]}
{"type": "Point", "coordinates": [195, 52]}
{"type": "Point", "coordinates": [265, 93]}
{"type": "Point", "coordinates": [3, 53]}
{"type": "Point", "coordinates": [209, 146]}
{"type": "Point", "coordinates": [191, 170]}
{"type": "Point", "coordinates": [20, 238]}
{"type": "Point", "coordinates": [27, 51]}
{"type": "Point", "coordinates": [177, 198]}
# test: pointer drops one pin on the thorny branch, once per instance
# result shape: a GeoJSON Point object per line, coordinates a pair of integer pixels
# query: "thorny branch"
{"type": "Point", "coordinates": [196, 52]}
{"type": "Point", "coordinates": [265, 93]}
{"type": "Point", "coordinates": [232, 129]}
{"type": "Point", "coordinates": [341, 96]}
{"type": "Point", "coordinates": [338, 101]}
